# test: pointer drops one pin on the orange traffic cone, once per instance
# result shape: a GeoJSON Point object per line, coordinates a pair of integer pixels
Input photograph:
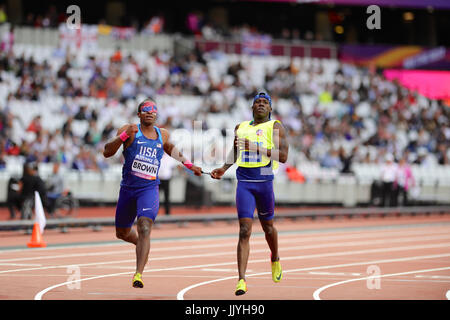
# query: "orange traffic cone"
{"type": "Point", "coordinates": [36, 238]}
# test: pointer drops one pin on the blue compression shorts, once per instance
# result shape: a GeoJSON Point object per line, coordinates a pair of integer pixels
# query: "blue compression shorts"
{"type": "Point", "coordinates": [255, 195]}
{"type": "Point", "coordinates": [136, 202]}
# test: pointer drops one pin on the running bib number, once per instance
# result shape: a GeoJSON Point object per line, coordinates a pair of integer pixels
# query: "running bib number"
{"type": "Point", "coordinates": [248, 156]}
{"type": "Point", "coordinates": [144, 170]}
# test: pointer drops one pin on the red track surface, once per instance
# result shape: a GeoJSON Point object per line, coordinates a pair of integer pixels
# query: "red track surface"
{"type": "Point", "coordinates": [322, 259]}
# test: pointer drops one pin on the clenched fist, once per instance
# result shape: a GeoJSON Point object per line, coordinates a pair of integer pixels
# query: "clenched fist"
{"type": "Point", "coordinates": [132, 130]}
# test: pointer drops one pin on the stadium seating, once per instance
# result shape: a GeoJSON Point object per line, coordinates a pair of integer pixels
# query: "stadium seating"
{"type": "Point", "coordinates": [312, 78]}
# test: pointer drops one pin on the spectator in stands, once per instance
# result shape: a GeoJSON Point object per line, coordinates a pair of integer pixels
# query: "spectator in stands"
{"type": "Point", "coordinates": [35, 125]}
{"type": "Point", "coordinates": [81, 114]}
{"type": "Point", "coordinates": [67, 127]}
{"type": "Point", "coordinates": [3, 15]}
{"type": "Point", "coordinates": [93, 135]}
{"type": "Point", "coordinates": [404, 180]}
{"type": "Point", "coordinates": [346, 160]}
{"type": "Point", "coordinates": [55, 188]}
{"type": "Point", "coordinates": [394, 117]}
{"type": "Point", "coordinates": [107, 131]}
{"type": "Point", "coordinates": [7, 41]}
{"type": "Point", "coordinates": [117, 56]}
{"type": "Point", "coordinates": [332, 160]}
{"type": "Point", "coordinates": [388, 175]}
{"type": "Point", "coordinates": [194, 22]}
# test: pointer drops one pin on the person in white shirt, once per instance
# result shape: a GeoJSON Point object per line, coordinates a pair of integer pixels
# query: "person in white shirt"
{"type": "Point", "coordinates": [388, 177]}
{"type": "Point", "coordinates": [168, 164]}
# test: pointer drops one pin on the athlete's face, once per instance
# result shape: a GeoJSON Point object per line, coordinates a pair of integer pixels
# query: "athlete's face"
{"type": "Point", "coordinates": [148, 113]}
{"type": "Point", "coordinates": [261, 108]}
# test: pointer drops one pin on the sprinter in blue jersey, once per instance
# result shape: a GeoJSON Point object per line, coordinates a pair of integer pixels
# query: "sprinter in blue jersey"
{"type": "Point", "coordinates": [259, 145]}
{"type": "Point", "coordinates": [143, 147]}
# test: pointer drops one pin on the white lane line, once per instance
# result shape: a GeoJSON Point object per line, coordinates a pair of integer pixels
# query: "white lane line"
{"type": "Point", "coordinates": [320, 255]}
{"type": "Point", "coordinates": [222, 270]}
{"type": "Point", "coordinates": [41, 293]}
{"type": "Point", "coordinates": [447, 295]}
{"type": "Point", "coordinates": [335, 273]}
{"type": "Point", "coordinates": [263, 242]}
{"type": "Point", "coordinates": [433, 277]}
{"type": "Point", "coordinates": [20, 264]}
{"type": "Point", "coordinates": [180, 295]}
{"type": "Point", "coordinates": [371, 232]}
{"type": "Point", "coordinates": [316, 294]}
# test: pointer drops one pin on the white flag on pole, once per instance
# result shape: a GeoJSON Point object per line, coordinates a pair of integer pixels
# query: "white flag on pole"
{"type": "Point", "coordinates": [39, 211]}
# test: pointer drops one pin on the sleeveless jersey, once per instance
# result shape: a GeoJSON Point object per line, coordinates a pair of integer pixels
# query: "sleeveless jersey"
{"type": "Point", "coordinates": [254, 166]}
{"type": "Point", "coordinates": [142, 161]}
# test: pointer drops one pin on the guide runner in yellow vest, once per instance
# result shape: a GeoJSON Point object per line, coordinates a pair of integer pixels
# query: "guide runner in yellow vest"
{"type": "Point", "coordinates": [258, 145]}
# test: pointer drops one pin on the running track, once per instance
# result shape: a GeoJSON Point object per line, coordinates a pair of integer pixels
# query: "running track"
{"type": "Point", "coordinates": [321, 259]}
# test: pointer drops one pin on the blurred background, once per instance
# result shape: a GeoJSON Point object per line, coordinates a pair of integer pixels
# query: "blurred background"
{"type": "Point", "coordinates": [366, 109]}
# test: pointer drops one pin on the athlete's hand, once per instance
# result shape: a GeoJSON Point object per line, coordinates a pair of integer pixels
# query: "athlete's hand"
{"type": "Point", "coordinates": [132, 130]}
{"type": "Point", "coordinates": [197, 170]}
{"type": "Point", "coordinates": [217, 173]}
{"type": "Point", "coordinates": [245, 144]}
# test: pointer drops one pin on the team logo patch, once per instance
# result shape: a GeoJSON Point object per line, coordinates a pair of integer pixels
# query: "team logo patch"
{"type": "Point", "coordinates": [259, 132]}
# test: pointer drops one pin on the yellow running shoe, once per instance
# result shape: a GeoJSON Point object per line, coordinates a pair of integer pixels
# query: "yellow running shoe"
{"type": "Point", "coordinates": [137, 281]}
{"type": "Point", "coordinates": [241, 287]}
{"type": "Point", "coordinates": [277, 273]}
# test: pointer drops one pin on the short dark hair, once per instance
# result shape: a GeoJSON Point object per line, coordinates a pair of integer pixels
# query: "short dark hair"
{"type": "Point", "coordinates": [142, 103]}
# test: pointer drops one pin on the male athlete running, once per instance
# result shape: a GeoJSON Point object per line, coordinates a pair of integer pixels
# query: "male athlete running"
{"type": "Point", "coordinates": [258, 145]}
{"type": "Point", "coordinates": [143, 147]}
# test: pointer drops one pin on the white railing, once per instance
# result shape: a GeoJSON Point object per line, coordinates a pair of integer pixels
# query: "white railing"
{"type": "Point", "coordinates": [322, 187]}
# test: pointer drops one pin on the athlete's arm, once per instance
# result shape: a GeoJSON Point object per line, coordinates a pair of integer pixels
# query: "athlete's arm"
{"type": "Point", "coordinates": [172, 151]}
{"type": "Point", "coordinates": [231, 159]}
{"type": "Point", "coordinates": [278, 153]}
{"type": "Point", "coordinates": [114, 144]}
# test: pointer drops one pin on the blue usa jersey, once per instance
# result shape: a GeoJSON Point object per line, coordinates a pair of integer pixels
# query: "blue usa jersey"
{"type": "Point", "coordinates": [142, 161]}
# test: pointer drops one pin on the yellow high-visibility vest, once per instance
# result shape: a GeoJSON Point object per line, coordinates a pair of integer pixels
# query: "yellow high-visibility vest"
{"type": "Point", "coordinates": [262, 134]}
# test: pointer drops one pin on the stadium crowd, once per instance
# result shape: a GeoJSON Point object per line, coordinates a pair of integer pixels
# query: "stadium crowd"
{"type": "Point", "coordinates": [356, 110]}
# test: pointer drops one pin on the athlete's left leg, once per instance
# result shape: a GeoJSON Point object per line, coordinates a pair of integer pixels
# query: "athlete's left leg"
{"type": "Point", "coordinates": [271, 235]}
{"type": "Point", "coordinates": [243, 247]}
{"type": "Point", "coordinates": [265, 204]}
{"type": "Point", "coordinates": [144, 227]}
{"type": "Point", "coordinates": [147, 205]}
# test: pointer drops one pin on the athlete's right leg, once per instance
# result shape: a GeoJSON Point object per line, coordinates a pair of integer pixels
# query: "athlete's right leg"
{"type": "Point", "coordinates": [125, 216]}
{"type": "Point", "coordinates": [243, 248]}
{"type": "Point", "coordinates": [245, 204]}
{"type": "Point", "coordinates": [144, 227]}
{"type": "Point", "coordinates": [147, 206]}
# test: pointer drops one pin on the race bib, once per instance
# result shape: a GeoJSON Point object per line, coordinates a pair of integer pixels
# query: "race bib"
{"type": "Point", "coordinates": [248, 156]}
{"type": "Point", "coordinates": [144, 170]}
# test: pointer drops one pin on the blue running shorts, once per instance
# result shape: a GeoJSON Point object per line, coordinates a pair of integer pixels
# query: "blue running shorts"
{"type": "Point", "coordinates": [255, 195]}
{"type": "Point", "coordinates": [136, 202]}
